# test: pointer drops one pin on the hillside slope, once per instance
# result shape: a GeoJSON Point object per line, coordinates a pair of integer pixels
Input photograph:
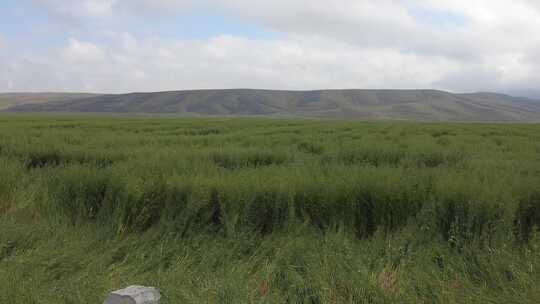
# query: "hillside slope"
{"type": "Point", "coordinates": [427, 105]}
{"type": "Point", "coordinates": [8, 100]}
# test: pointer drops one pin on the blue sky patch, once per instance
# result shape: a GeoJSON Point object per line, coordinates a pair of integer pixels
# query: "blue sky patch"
{"type": "Point", "coordinates": [435, 17]}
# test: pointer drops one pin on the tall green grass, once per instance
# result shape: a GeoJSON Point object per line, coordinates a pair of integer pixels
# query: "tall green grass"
{"type": "Point", "coordinates": [271, 211]}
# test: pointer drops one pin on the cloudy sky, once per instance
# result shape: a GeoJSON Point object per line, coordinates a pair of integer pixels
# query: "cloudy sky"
{"type": "Point", "coordinates": [152, 45]}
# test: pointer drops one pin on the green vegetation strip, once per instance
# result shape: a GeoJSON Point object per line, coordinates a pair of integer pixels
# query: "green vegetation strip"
{"type": "Point", "coordinates": [268, 211]}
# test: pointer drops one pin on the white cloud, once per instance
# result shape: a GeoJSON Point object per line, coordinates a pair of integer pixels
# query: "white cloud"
{"type": "Point", "coordinates": [462, 45]}
{"type": "Point", "coordinates": [491, 25]}
{"type": "Point", "coordinates": [226, 61]}
{"type": "Point", "coordinates": [78, 52]}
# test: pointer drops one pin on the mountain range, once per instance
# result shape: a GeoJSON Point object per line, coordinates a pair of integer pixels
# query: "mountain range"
{"type": "Point", "coordinates": [420, 105]}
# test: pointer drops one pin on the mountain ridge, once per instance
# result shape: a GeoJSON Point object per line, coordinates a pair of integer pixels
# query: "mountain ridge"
{"type": "Point", "coordinates": [422, 105]}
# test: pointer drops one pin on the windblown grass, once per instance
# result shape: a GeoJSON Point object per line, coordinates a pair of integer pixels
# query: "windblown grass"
{"type": "Point", "coordinates": [268, 211]}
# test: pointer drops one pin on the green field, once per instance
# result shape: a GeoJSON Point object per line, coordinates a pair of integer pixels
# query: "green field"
{"type": "Point", "coordinates": [268, 211]}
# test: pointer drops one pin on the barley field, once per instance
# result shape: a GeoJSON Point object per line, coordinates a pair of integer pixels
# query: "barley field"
{"type": "Point", "coordinates": [253, 210]}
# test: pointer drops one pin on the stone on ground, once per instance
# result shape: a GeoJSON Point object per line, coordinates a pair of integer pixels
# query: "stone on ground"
{"type": "Point", "coordinates": [134, 295]}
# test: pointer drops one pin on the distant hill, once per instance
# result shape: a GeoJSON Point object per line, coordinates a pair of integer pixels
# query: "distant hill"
{"type": "Point", "coordinates": [423, 105]}
{"type": "Point", "coordinates": [8, 100]}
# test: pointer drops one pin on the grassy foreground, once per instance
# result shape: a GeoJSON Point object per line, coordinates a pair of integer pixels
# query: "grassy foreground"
{"type": "Point", "coordinates": [268, 211]}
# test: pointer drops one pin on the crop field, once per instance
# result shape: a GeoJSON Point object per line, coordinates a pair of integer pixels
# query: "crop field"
{"type": "Point", "coordinates": [245, 210]}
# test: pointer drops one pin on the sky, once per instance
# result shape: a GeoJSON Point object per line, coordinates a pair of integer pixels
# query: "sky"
{"type": "Point", "coordinates": [118, 46]}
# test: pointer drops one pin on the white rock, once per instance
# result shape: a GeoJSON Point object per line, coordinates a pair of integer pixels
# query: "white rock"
{"type": "Point", "coordinates": [134, 295]}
